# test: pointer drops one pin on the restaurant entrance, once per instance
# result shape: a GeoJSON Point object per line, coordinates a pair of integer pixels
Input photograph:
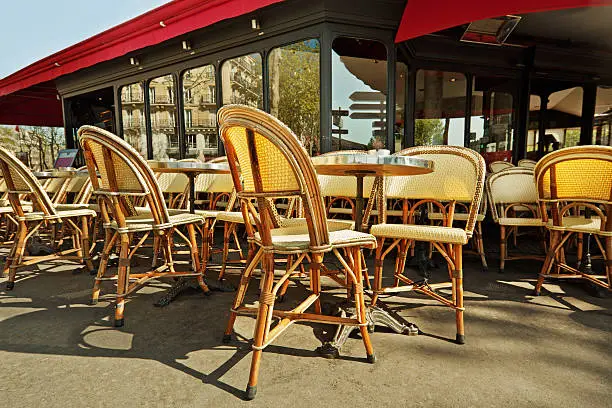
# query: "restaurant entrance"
{"type": "Point", "coordinates": [93, 108]}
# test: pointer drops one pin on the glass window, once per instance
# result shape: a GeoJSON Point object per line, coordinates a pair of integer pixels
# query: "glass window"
{"type": "Point", "coordinates": [563, 119]}
{"type": "Point", "coordinates": [602, 123]}
{"type": "Point", "coordinates": [533, 126]}
{"type": "Point", "coordinates": [132, 117]}
{"type": "Point", "coordinates": [163, 118]}
{"type": "Point", "coordinates": [492, 119]}
{"type": "Point", "coordinates": [200, 112]}
{"type": "Point", "coordinates": [440, 108]}
{"type": "Point", "coordinates": [241, 81]}
{"type": "Point", "coordinates": [295, 91]}
{"type": "Point", "coordinates": [359, 94]}
{"type": "Point", "coordinates": [401, 77]}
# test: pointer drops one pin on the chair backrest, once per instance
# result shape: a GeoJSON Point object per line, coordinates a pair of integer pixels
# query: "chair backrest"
{"type": "Point", "coordinates": [268, 161]}
{"type": "Point", "coordinates": [21, 181]}
{"type": "Point", "coordinates": [513, 187]}
{"type": "Point", "coordinates": [458, 176]}
{"type": "Point", "coordinates": [530, 164]}
{"type": "Point", "coordinates": [117, 171]}
{"type": "Point", "coordinates": [499, 166]}
{"type": "Point", "coordinates": [580, 174]}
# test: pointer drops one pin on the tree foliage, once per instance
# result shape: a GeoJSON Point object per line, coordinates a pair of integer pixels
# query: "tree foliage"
{"type": "Point", "coordinates": [428, 132]}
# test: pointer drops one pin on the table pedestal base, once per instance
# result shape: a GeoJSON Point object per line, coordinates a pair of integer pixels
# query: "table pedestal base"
{"type": "Point", "coordinates": [184, 284]}
{"type": "Point", "coordinates": [375, 316]}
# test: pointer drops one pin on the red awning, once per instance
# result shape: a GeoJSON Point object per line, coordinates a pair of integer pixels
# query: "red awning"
{"type": "Point", "coordinates": [173, 19]}
{"type": "Point", "coordinates": [425, 16]}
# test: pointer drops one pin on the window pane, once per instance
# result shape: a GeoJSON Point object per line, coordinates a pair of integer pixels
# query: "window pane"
{"type": "Point", "coordinates": [492, 120]}
{"type": "Point", "coordinates": [534, 126]}
{"type": "Point", "coordinates": [440, 108]}
{"type": "Point", "coordinates": [163, 118]}
{"type": "Point", "coordinates": [563, 119]}
{"type": "Point", "coordinates": [602, 125]}
{"type": "Point", "coordinates": [295, 91]}
{"type": "Point", "coordinates": [401, 76]}
{"type": "Point", "coordinates": [241, 81]}
{"type": "Point", "coordinates": [200, 104]}
{"type": "Point", "coordinates": [359, 86]}
{"type": "Point", "coordinates": [132, 117]}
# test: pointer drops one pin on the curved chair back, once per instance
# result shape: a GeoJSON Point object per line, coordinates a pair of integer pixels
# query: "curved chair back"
{"type": "Point", "coordinates": [268, 161]}
{"type": "Point", "coordinates": [513, 187]}
{"type": "Point", "coordinates": [528, 163]}
{"type": "Point", "coordinates": [499, 166]}
{"type": "Point", "coordinates": [458, 176]}
{"type": "Point", "coordinates": [20, 180]}
{"type": "Point", "coordinates": [123, 173]}
{"type": "Point", "coordinates": [580, 174]}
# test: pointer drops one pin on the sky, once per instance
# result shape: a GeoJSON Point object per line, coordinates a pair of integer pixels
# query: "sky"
{"type": "Point", "coordinates": [33, 29]}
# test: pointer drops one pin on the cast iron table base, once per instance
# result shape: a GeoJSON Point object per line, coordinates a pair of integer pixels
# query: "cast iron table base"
{"type": "Point", "coordinates": [184, 284]}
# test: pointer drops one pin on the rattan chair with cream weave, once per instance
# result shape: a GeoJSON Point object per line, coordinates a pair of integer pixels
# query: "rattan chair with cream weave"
{"type": "Point", "coordinates": [527, 163]}
{"type": "Point", "coordinates": [513, 199]}
{"type": "Point", "coordinates": [575, 183]}
{"type": "Point", "coordinates": [499, 166]}
{"type": "Point", "coordinates": [458, 176]}
{"type": "Point", "coordinates": [32, 218]}
{"type": "Point", "coordinates": [124, 174]}
{"type": "Point", "coordinates": [268, 161]}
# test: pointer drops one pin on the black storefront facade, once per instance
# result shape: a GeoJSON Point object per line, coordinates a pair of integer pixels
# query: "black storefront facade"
{"type": "Point", "coordinates": [332, 71]}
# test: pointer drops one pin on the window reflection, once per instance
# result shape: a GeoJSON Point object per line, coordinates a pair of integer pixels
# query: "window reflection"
{"type": "Point", "coordinates": [602, 123]}
{"type": "Point", "coordinates": [401, 77]}
{"type": "Point", "coordinates": [200, 104]}
{"type": "Point", "coordinates": [534, 126]}
{"type": "Point", "coordinates": [163, 118]}
{"type": "Point", "coordinates": [440, 108]}
{"type": "Point", "coordinates": [563, 119]}
{"type": "Point", "coordinates": [359, 89]}
{"type": "Point", "coordinates": [295, 90]}
{"type": "Point", "coordinates": [133, 117]}
{"type": "Point", "coordinates": [492, 120]}
{"type": "Point", "coordinates": [241, 81]}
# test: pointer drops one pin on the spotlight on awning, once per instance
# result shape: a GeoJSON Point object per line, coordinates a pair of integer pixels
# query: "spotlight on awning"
{"type": "Point", "coordinates": [492, 31]}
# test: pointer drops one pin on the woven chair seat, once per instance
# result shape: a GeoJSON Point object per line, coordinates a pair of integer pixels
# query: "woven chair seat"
{"type": "Point", "coordinates": [428, 233]}
{"type": "Point", "coordinates": [231, 216]}
{"type": "Point", "coordinates": [456, 217]}
{"type": "Point", "coordinates": [144, 221]}
{"type": "Point", "coordinates": [332, 225]}
{"type": "Point", "coordinates": [580, 224]}
{"type": "Point", "coordinates": [38, 216]}
{"type": "Point", "coordinates": [521, 222]}
{"type": "Point", "coordinates": [296, 239]}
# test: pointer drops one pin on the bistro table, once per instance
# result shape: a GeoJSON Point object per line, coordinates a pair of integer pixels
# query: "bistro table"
{"type": "Point", "coordinates": [191, 169]}
{"type": "Point", "coordinates": [362, 165]}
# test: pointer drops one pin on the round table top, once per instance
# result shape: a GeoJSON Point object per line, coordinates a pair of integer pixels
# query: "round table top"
{"type": "Point", "coordinates": [358, 164]}
{"type": "Point", "coordinates": [60, 173]}
{"type": "Point", "coordinates": [188, 167]}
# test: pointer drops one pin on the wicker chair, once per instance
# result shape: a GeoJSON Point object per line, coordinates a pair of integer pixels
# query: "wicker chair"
{"type": "Point", "coordinates": [124, 174]}
{"type": "Point", "coordinates": [21, 183]}
{"type": "Point", "coordinates": [458, 177]}
{"type": "Point", "coordinates": [513, 199]}
{"type": "Point", "coordinates": [576, 184]}
{"type": "Point", "coordinates": [267, 161]}
{"type": "Point", "coordinates": [496, 166]}
{"type": "Point", "coordinates": [528, 163]}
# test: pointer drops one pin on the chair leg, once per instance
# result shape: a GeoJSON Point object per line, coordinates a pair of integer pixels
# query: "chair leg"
{"type": "Point", "coordinates": [226, 239]}
{"type": "Point", "coordinates": [401, 261]}
{"type": "Point", "coordinates": [378, 269]}
{"type": "Point", "coordinates": [315, 279]}
{"type": "Point", "coordinates": [14, 259]}
{"type": "Point", "coordinates": [458, 285]}
{"type": "Point", "coordinates": [579, 249]}
{"type": "Point", "coordinates": [555, 237]}
{"type": "Point", "coordinates": [480, 246]}
{"type": "Point", "coordinates": [86, 259]}
{"type": "Point", "coordinates": [252, 262]}
{"type": "Point", "coordinates": [608, 260]}
{"type": "Point", "coordinates": [195, 258]}
{"type": "Point", "coordinates": [109, 244]}
{"type": "Point", "coordinates": [262, 325]}
{"type": "Point", "coordinates": [360, 306]}
{"type": "Point", "coordinates": [122, 279]}
{"type": "Point", "coordinates": [503, 247]}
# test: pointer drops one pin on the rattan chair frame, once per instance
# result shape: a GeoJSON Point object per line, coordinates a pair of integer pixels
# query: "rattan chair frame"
{"type": "Point", "coordinates": [294, 177]}
{"type": "Point", "coordinates": [586, 184]}
{"type": "Point", "coordinates": [452, 252]}
{"type": "Point", "coordinates": [104, 154]}
{"type": "Point", "coordinates": [503, 209]}
{"type": "Point", "coordinates": [21, 183]}
{"type": "Point", "coordinates": [499, 165]}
